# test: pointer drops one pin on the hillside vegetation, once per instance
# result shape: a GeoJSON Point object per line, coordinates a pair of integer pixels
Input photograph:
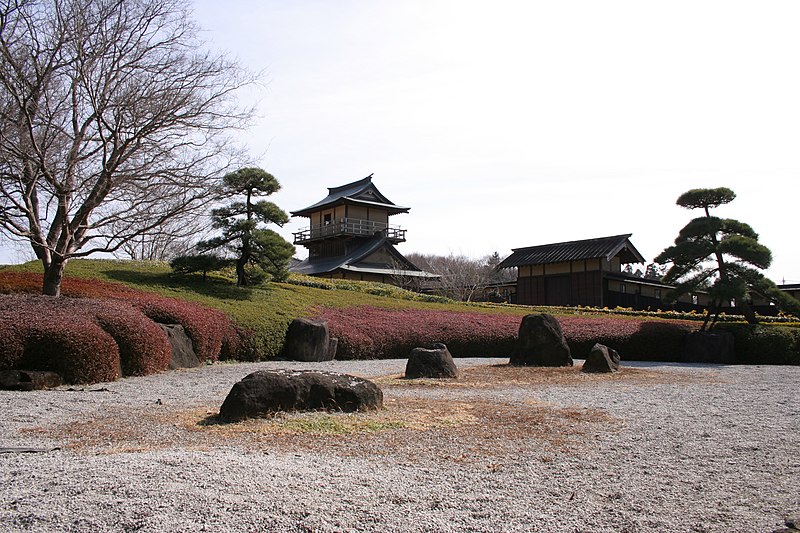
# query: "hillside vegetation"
{"type": "Point", "coordinates": [371, 320]}
{"type": "Point", "coordinates": [266, 310]}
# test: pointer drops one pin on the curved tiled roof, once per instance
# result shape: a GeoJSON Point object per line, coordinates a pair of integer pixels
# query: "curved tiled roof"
{"type": "Point", "coordinates": [560, 252]}
{"type": "Point", "coordinates": [361, 192]}
{"type": "Point", "coordinates": [351, 261]}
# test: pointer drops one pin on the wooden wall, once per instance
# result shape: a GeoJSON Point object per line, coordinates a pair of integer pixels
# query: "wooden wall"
{"type": "Point", "coordinates": [578, 288]}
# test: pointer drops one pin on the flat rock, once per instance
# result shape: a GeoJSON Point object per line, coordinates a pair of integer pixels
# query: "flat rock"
{"type": "Point", "coordinates": [270, 391]}
{"type": "Point", "coordinates": [27, 380]}
{"type": "Point", "coordinates": [433, 362]}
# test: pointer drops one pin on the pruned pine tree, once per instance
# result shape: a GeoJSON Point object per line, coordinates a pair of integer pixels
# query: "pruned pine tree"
{"type": "Point", "coordinates": [257, 250]}
{"type": "Point", "coordinates": [114, 120]}
{"type": "Point", "coordinates": [719, 255]}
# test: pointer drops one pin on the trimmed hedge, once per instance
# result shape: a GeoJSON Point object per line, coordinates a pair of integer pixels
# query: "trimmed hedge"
{"type": "Point", "coordinates": [765, 345]}
{"type": "Point", "coordinates": [98, 331]}
{"type": "Point", "coordinates": [366, 287]}
{"type": "Point", "coordinates": [205, 327]}
{"type": "Point", "coordinates": [59, 334]}
{"type": "Point", "coordinates": [634, 339]}
{"type": "Point", "coordinates": [377, 333]}
{"type": "Point", "coordinates": [143, 346]}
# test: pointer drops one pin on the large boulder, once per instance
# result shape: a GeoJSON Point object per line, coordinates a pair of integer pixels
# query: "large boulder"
{"type": "Point", "coordinates": [309, 340]}
{"type": "Point", "coordinates": [270, 391]}
{"type": "Point", "coordinates": [433, 362]}
{"type": "Point", "coordinates": [541, 343]}
{"type": "Point", "coordinates": [27, 380]}
{"type": "Point", "coordinates": [709, 347]}
{"type": "Point", "coordinates": [601, 359]}
{"type": "Point", "coordinates": [183, 355]}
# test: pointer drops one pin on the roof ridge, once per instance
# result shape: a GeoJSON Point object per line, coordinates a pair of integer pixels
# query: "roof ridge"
{"type": "Point", "coordinates": [621, 236]}
{"type": "Point", "coordinates": [362, 181]}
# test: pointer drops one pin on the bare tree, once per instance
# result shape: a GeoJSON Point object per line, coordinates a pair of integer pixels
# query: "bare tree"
{"type": "Point", "coordinates": [113, 121]}
{"type": "Point", "coordinates": [460, 277]}
{"type": "Point", "coordinates": [176, 237]}
{"type": "Point", "coordinates": [407, 279]}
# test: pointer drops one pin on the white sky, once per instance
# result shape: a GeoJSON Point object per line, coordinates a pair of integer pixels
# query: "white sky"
{"type": "Point", "coordinates": [511, 124]}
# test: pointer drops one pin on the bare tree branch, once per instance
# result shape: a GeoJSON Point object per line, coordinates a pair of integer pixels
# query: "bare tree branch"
{"type": "Point", "coordinates": [114, 122]}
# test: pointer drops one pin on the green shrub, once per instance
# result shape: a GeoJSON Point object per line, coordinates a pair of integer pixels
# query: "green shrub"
{"type": "Point", "coordinates": [239, 344]}
{"type": "Point", "coordinates": [762, 344]}
{"type": "Point", "coordinates": [202, 263]}
{"type": "Point", "coordinates": [366, 287]}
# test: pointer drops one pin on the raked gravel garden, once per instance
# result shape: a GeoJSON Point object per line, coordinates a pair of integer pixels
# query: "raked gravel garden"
{"type": "Point", "coordinates": [656, 447]}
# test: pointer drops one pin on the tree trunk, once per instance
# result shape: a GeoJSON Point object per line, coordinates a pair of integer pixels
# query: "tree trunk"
{"type": "Point", "coordinates": [748, 313]}
{"type": "Point", "coordinates": [53, 273]}
{"type": "Point", "coordinates": [241, 275]}
{"type": "Point", "coordinates": [708, 316]}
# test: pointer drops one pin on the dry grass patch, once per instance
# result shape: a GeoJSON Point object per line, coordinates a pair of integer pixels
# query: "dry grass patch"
{"type": "Point", "coordinates": [406, 429]}
{"type": "Point", "coordinates": [503, 375]}
{"type": "Point", "coordinates": [415, 426]}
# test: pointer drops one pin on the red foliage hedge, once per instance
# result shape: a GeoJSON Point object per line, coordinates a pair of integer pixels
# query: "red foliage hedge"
{"type": "Point", "coordinates": [104, 310]}
{"type": "Point", "coordinates": [84, 340]}
{"type": "Point", "coordinates": [376, 333]}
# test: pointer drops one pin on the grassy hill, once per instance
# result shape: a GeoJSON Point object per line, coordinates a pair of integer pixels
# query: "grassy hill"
{"type": "Point", "coordinates": [410, 319]}
{"type": "Point", "coordinates": [266, 310]}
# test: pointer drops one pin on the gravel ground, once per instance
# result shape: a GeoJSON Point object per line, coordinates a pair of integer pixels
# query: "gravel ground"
{"type": "Point", "coordinates": [659, 447]}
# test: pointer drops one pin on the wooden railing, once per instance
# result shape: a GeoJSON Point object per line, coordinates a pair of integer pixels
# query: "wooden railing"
{"type": "Point", "coordinates": [349, 227]}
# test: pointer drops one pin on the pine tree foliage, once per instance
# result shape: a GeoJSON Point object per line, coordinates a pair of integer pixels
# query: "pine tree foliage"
{"type": "Point", "coordinates": [720, 256]}
{"type": "Point", "coordinates": [259, 252]}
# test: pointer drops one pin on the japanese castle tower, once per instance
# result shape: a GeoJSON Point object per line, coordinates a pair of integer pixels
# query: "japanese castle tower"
{"type": "Point", "coordinates": [349, 236]}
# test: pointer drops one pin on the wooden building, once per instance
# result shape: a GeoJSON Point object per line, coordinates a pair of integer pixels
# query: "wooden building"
{"type": "Point", "coordinates": [350, 237]}
{"type": "Point", "coordinates": [570, 273]}
{"type": "Point", "coordinates": [589, 273]}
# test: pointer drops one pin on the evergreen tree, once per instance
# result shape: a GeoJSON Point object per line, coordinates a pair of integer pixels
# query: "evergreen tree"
{"type": "Point", "coordinates": [654, 271]}
{"type": "Point", "coordinates": [258, 251]}
{"type": "Point", "coordinates": [719, 255]}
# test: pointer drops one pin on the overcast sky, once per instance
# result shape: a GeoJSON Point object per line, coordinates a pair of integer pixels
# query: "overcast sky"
{"type": "Point", "coordinates": [512, 124]}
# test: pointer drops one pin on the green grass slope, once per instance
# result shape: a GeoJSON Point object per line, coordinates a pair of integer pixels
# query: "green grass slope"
{"type": "Point", "coordinates": [266, 310]}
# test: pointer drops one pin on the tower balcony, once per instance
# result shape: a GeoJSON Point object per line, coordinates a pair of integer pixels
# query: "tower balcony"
{"type": "Point", "coordinates": [349, 227]}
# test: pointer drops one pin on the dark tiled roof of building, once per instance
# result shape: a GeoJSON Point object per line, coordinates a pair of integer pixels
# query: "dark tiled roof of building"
{"type": "Point", "coordinates": [352, 262]}
{"type": "Point", "coordinates": [361, 192]}
{"type": "Point", "coordinates": [621, 276]}
{"type": "Point", "coordinates": [560, 252]}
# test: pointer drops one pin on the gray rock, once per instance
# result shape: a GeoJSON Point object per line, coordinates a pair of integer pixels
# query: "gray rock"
{"type": "Point", "coordinates": [709, 347]}
{"type": "Point", "coordinates": [601, 358]}
{"type": "Point", "coordinates": [270, 391]}
{"type": "Point", "coordinates": [183, 355]}
{"type": "Point", "coordinates": [541, 343]}
{"type": "Point", "coordinates": [433, 362]}
{"type": "Point", "coordinates": [26, 380]}
{"type": "Point", "coordinates": [309, 340]}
